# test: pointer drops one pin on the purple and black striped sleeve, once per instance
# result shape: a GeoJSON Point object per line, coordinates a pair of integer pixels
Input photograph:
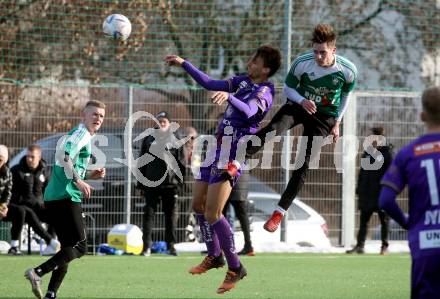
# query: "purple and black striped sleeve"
{"type": "Point", "coordinates": [259, 101]}
{"type": "Point", "coordinates": [249, 109]}
{"type": "Point", "coordinates": [387, 202]}
{"type": "Point", "coordinates": [204, 80]}
{"type": "Point", "coordinates": [393, 183]}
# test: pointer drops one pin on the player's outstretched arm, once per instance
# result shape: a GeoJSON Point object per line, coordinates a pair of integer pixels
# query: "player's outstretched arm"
{"type": "Point", "coordinates": [95, 174]}
{"type": "Point", "coordinates": [203, 79]}
{"type": "Point", "coordinates": [293, 95]}
{"type": "Point", "coordinates": [173, 60]}
{"type": "Point", "coordinates": [249, 109]}
{"type": "Point", "coordinates": [387, 202]}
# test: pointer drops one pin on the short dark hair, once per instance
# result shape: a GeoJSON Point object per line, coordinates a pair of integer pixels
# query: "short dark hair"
{"type": "Point", "coordinates": [34, 147]}
{"type": "Point", "coordinates": [163, 114]}
{"type": "Point", "coordinates": [377, 130]}
{"type": "Point", "coordinates": [271, 58]}
{"type": "Point", "coordinates": [431, 104]}
{"type": "Point", "coordinates": [95, 103]}
{"type": "Point", "coordinates": [324, 33]}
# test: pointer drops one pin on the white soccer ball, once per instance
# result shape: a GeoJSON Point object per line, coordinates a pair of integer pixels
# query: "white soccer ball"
{"type": "Point", "coordinates": [117, 26]}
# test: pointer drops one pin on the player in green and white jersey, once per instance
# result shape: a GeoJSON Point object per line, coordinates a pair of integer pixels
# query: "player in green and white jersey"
{"type": "Point", "coordinates": [317, 88]}
{"type": "Point", "coordinates": [63, 196]}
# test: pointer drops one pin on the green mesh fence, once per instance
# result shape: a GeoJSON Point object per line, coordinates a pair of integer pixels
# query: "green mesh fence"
{"type": "Point", "coordinates": [54, 57]}
{"type": "Point", "coordinates": [5, 228]}
{"type": "Point", "coordinates": [64, 41]}
{"type": "Point", "coordinates": [393, 43]}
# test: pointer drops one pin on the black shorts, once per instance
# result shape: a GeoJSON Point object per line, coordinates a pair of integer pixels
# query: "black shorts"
{"type": "Point", "coordinates": [67, 219]}
{"type": "Point", "coordinates": [317, 124]}
{"type": "Point", "coordinates": [292, 114]}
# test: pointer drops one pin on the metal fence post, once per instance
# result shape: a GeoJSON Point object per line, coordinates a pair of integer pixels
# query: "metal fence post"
{"type": "Point", "coordinates": [349, 176]}
{"type": "Point", "coordinates": [93, 231]}
{"type": "Point", "coordinates": [286, 145]}
{"type": "Point", "coordinates": [129, 153]}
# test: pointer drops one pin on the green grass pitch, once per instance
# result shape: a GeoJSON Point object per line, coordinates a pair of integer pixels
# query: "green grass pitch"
{"type": "Point", "coordinates": [304, 276]}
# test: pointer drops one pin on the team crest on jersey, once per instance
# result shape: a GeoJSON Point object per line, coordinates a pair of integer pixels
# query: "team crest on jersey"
{"type": "Point", "coordinates": [335, 81]}
{"type": "Point", "coordinates": [242, 84]}
{"type": "Point", "coordinates": [320, 90]}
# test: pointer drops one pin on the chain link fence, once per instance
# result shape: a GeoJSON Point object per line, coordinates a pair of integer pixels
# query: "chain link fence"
{"type": "Point", "coordinates": [54, 58]}
{"type": "Point", "coordinates": [43, 109]}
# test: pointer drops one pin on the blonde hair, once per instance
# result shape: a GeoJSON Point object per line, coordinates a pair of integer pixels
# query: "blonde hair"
{"type": "Point", "coordinates": [34, 147]}
{"type": "Point", "coordinates": [95, 103]}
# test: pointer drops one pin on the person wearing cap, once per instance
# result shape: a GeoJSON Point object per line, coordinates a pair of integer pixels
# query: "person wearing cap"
{"type": "Point", "coordinates": [167, 183]}
{"type": "Point", "coordinates": [368, 191]}
{"type": "Point", "coordinates": [18, 215]}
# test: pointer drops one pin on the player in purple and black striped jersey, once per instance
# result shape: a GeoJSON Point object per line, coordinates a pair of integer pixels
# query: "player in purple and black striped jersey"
{"type": "Point", "coordinates": [248, 99]}
{"type": "Point", "coordinates": [417, 165]}
{"type": "Point", "coordinates": [244, 90]}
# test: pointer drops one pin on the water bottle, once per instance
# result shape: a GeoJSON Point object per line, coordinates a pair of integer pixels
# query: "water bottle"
{"type": "Point", "coordinates": [159, 247]}
{"type": "Point", "coordinates": [105, 249]}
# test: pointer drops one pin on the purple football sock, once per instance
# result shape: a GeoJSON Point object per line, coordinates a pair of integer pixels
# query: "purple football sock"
{"type": "Point", "coordinates": [209, 236]}
{"type": "Point", "coordinates": [226, 239]}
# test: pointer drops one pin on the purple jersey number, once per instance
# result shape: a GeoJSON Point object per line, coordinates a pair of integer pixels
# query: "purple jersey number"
{"type": "Point", "coordinates": [418, 166]}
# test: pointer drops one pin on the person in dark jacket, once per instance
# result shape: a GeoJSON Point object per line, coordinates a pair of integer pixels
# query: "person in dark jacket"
{"type": "Point", "coordinates": [368, 191]}
{"type": "Point", "coordinates": [30, 178]}
{"type": "Point", "coordinates": [162, 185]}
{"type": "Point", "coordinates": [19, 214]}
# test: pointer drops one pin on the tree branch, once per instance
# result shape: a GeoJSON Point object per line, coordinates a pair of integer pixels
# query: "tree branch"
{"type": "Point", "coordinates": [364, 21]}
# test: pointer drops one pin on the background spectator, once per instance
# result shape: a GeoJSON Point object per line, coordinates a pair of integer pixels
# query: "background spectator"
{"type": "Point", "coordinates": [167, 191]}
{"type": "Point", "coordinates": [30, 178]}
{"type": "Point", "coordinates": [189, 146]}
{"type": "Point", "coordinates": [191, 160]}
{"type": "Point", "coordinates": [18, 214]}
{"type": "Point", "coordinates": [368, 191]}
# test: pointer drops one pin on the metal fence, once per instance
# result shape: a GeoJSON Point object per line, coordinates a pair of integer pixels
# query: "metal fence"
{"type": "Point", "coordinates": [54, 57]}
{"type": "Point", "coordinates": [61, 42]}
{"type": "Point", "coordinates": [399, 114]}
{"type": "Point", "coordinates": [41, 115]}
{"type": "Point", "coordinates": [37, 111]}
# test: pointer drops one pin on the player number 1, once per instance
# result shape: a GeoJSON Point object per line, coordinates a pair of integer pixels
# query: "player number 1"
{"type": "Point", "coordinates": [432, 182]}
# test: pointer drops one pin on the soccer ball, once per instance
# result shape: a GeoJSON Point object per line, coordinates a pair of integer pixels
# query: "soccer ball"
{"type": "Point", "coordinates": [117, 26]}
